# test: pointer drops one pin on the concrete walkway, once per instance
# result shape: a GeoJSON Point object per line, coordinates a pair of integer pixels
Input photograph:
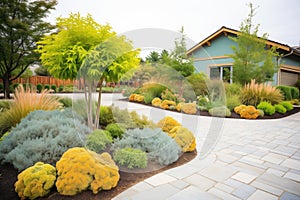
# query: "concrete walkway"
{"type": "Point", "coordinates": [237, 159]}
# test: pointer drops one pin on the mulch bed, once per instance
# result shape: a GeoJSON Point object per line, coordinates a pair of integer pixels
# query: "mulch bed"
{"type": "Point", "coordinates": [9, 177]}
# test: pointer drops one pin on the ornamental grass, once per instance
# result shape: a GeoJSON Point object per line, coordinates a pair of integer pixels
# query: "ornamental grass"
{"type": "Point", "coordinates": [253, 93]}
{"type": "Point", "coordinates": [26, 101]}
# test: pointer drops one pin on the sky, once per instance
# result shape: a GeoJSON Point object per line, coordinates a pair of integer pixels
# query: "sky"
{"type": "Point", "coordinates": [158, 21]}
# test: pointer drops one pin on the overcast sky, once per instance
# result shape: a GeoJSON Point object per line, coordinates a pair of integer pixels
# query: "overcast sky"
{"type": "Point", "coordinates": [200, 18]}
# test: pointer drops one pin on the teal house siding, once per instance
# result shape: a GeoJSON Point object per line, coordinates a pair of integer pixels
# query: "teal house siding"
{"type": "Point", "coordinates": [212, 57]}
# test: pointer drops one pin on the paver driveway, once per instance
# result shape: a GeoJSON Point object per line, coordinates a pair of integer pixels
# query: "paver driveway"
{"type": "Point", "coordinates": [252, 159]}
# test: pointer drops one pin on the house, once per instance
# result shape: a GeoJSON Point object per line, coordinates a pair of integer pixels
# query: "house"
{"type": "Point", "coordinates": [211, 57]}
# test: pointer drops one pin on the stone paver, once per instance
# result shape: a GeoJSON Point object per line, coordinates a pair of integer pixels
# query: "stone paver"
{"type": "Point", "coordinates": [237, 159]}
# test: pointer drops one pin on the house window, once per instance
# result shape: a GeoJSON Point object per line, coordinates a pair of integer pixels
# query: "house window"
{"type": "Point", "coordinates": [221, 73]}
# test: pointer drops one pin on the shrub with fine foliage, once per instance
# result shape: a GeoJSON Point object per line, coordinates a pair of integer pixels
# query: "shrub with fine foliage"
{"type": "Point", "coordinates": [115, 130]}
{"type": "Point", "coordinates": [288, 106]}
{"type": "Point", "coordinates": [159, 146]}
{"type": "Point", "coordinates": [286, 91]}
{"type": "Point", "coordinates": [266, 107]}
{"type": "Point", "coordinates": [220, 111]}
{"type": "Point", "coordinates": [280, 108]}
{"type": "Point", "coordinates": [131, 158]}
{"type": "Point", "coordinates": [98, 140]}
{"type": "Point", "coordinates": [43, 136]}
{"type": "Point", "coordinates": [24, 102]}
{"type": "Point", "coordinates": [253, 93]}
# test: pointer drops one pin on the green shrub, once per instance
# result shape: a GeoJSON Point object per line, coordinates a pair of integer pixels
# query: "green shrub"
{"type": "Point", "coordinates": [220, 111]}
{"type": "Point", "coordinates": [266, 107]}
{"type": "Point", "coordinates": [232, 89]}
{"type": "Point", "coordinates": [39, 87]}
{"type": "Point", "coordinates": [15, 85]}
{"type": "Point", "coordinates": [298, 83]}
{"type": "Point", "coordinates": [131, 158]}
{"type": "Point", "coordinates": [198, 83]}
{"type": "Point", "coordinates": [98, 140]}
{"type": "Point", "coordinates": [288, 106]}
{"type": "Point", "coordinates": [66, 101]}
{"type": "Point", "coordinates": [148, 98]}
{"type": "Point", "coordinates": [286, 91]}
{"type": "Point", "coordinates": [130, 120]}
{"type": "Point", "coordinates": [280, 108]}
{"type": "Point", "coordinates": [60, 88]}
{"type": "Point", "coordinates": [233, 101]}
{"type": "Point", "coordinates": [47, 86]}
{"type": "Point", "coordinates": [152, 89]}
{"type": "Point", "coordinates": [115, 130]}
{"type": "Point", "coordinates": [294, 92]}
{"type": "Point", "coordinates": [43, 136]}
{"type": "Point", "coordinates": [159, 146]}
{"type": "Point", "coordinates": [106, 115]}
{"type": "Point", "coordinates": [53, 87]}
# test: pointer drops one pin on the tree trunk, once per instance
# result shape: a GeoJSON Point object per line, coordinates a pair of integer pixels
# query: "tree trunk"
{"type": "Point", "coordinates": [6, 83]}
{"type": "Point", "coordinates": [97, 117]}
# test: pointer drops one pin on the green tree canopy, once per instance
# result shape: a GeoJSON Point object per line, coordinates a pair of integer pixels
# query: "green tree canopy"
{"type": "Point", "coordinates": [64, 51]}
{"type": "Point", "coordinates": [252, 58]}
{"type": "Point", "coordinates": [21, 26]}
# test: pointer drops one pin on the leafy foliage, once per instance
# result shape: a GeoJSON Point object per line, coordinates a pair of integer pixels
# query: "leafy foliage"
{"type": "Point", "coordinates": [184, 138]}
{"type": "Point", "coordinates": [159, 146]}
{"type": "Point", "coordinates": [167, 124]}
{"type": "Point", "coordinates": [24, 102]}
{"type": "Point", "coordinates": [280, 108]}
{"type": "Point", "coordinates": [98, 140]}
{"type": "Point", "coordinates": [266, 107]}
{"type": "Point", "coordinates": [80, 169]}
{"type": "Point", "coordinates": [43, 136]}
{"type": "Point", "coordinates": [249, 112]}
{"type": "Point", "coordinates": [39, 87]}
{"type": "Point", "coordinates": [106, 115]}
{"type": "Point", "coordinates": [22, 24]}
{"type": "Point", "coordinates": [252, 59]}
{"type": "Point", "coordinates": [115, 130]}
{"type": "Point", "coordinates": [35, 181]}
{"type": "Point", "coordinates": [233, 101]}
{"type": "Point", "coordinates": [288, 106]}
{"type": "Point", "coordinates": [286, 91]}
{"type": "Point", "coordinates": [131, 158]}
{"type": "Point", "coordinates": [294, 92]}
{"type": "Point", "coordinates": [198, 83]}
{"type": "Point", "coordinates": [253, 93]}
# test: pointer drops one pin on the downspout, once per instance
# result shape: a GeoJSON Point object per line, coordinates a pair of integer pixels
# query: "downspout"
{"type": "Point", "coordinates": [278, 65]}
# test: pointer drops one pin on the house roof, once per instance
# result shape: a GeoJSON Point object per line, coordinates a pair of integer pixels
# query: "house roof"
{"type": "Point", "coordinates": [224, 30]}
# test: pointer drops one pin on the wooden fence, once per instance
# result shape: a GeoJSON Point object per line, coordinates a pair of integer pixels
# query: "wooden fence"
{"type": "Point", "coordinates": [34, 80]}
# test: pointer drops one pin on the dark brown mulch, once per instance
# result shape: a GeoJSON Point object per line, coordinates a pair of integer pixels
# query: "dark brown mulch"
{"type": "Point", "coordinates": [9, 177]}
{"type": "Point", "coordinates": [234, 115]}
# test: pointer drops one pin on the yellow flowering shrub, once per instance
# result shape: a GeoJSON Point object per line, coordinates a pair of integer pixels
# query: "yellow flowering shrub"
{"type": "Point", "coordinates": [189, 108]}
{"type": "Point", "coordinates": [80, 169]}
{"type": "Point", "coordinates": [131, 97]}
{"type": "Point", "coordinates": [35, 181]}
{"type": "Point", "coordinates": [167, 123]}
{"type": "Point", "coordinates": [238, 109]}
{"type": "Point", "coordinates": [250, 112]}
{"type": "Point", "coordinates": [156, 102]}
{"type": "Point", "coordinates": [165, 104]}
{"type": "Point", "coordinates": [178, 107]}
{"type": "Point", "coordinates": [136, 97]}
{"type": "Point", "coordinates": [184, 138]}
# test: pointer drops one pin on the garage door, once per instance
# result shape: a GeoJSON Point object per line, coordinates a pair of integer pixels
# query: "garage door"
{"type": "Point", "coordinates": [289, 78]}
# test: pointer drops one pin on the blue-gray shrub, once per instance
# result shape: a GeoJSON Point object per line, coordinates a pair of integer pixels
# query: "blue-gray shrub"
{"type": "Point", "coordinates": [43, 136]}
{"type": "Point", "coordinates": [159, 146]}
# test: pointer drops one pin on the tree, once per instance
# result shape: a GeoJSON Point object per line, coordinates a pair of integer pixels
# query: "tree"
{"type": "Point", "coordinates": [42, 71]}
{"type": "Point", "coordinates": [252, 59]}
{"type": "Point", "coordinates": [22, 25]}
{"type": "Point", "coordinates": [110, 61]}
{"type": "Point", "coordinates": [64, 51]}
{"type": "Point", "coordinates": [153, 57]}
{"type": "Point", "coordinates": [82, 48]}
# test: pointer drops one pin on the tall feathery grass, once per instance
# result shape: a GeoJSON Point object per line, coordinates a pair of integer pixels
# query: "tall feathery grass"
{"type": "Point", "coordinates": [253, 93]}
{"type": "Point", "coordinates": [26, 101]}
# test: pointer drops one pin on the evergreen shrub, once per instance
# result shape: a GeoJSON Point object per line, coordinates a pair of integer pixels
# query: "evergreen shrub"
{"type": "Point", "coordinates": [159, 146]}
{"type": "Point", "coordinates": [53, 87]}
{"type": "Point", "coordinates": [280, 108]}
{"type": "Point", "coordinates": [294, 92]}
{"type": "Point", "coordinates": [98, 140]}
{"type": "Point", "coordinates": [39, 87]}
{"type": "Point", "coordinates": [266, 107]}
{"type": "Point", "coordinates": [288, 105]}
{"type": "Point", "coordinates": [47, 86]}
{"type": "Point", "coordinates": [115, 130]}
{"type": "Point", "coordinates": [286, 91]}
{"type": "Point", "coordinates": [131, 158]}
